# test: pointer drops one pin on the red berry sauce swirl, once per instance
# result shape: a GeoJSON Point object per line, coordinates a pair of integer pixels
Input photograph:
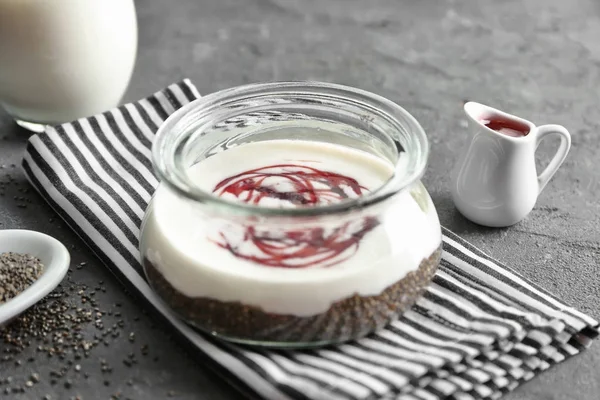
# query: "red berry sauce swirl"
{"type": "Point", "coordinates": [298, 185]}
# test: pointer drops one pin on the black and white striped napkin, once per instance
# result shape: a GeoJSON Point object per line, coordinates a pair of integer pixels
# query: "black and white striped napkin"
{"type": "Point", "coordinates": [480, 330]}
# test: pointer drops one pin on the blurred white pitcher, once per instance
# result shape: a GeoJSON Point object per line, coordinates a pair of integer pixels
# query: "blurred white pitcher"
{"type": "Point", "coordinates": [496, 183]}
{"type": "Point", "coordinates": [64, 59]}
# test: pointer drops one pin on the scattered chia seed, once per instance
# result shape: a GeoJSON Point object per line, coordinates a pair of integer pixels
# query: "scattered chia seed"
{"type": "Point", "coordinates": [17, 273]}
{"type": "Point", "coordinates": [58, 327]}
{"type": "Point", "coordinates": [58, 330]}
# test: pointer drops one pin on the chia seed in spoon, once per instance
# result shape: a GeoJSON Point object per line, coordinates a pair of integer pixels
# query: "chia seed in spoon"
{"type": "Point", "coordinates": [17, 273]}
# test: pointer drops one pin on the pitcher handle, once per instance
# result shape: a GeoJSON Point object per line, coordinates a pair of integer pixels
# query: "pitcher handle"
{"type": "Point", "coordinates": [561, 153]}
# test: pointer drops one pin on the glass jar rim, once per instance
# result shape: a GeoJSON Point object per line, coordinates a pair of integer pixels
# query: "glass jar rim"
{"type": "Point", "coordinates": [177, 179]}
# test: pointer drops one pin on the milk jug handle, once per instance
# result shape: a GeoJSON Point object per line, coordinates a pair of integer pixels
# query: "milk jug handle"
{"type": "Point", "coordinates": [565, 144]}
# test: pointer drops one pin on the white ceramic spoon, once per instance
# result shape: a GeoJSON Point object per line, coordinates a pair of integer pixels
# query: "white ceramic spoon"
{"type": "Point", "coordinates": [53, 254]}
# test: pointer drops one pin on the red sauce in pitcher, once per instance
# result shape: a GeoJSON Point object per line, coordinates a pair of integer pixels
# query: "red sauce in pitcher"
{"type": "Point", "coordinates": [508, 127]}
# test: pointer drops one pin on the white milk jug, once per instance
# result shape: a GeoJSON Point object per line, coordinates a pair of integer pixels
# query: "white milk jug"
{"type": "Point", "coordinates": [495, 182]}
{"type": "Point", "coordinates": [65, 59]}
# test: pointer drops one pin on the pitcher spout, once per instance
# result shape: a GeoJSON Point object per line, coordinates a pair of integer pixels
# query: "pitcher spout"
{"type": "Point", "coordinates": [497, 121]}
{"type": "Point", "coordinates": [476, 111]}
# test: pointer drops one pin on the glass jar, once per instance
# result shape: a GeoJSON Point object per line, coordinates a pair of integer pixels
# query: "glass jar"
{"type": "Point", "coordinates": [286, 273]}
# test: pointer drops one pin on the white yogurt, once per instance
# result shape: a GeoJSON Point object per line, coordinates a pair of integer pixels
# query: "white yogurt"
{"type": "Point", "coordinates": [181, 242]}
{"type": "Point", "coordinates": [65, 59]}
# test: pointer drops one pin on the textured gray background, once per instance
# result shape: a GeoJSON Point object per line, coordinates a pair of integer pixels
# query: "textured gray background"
{"type": "Point", "coordinates": [539, 59]}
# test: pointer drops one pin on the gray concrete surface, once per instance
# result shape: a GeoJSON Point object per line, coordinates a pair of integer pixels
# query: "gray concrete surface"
{"type": "Point", "coordinates": [536, 58]}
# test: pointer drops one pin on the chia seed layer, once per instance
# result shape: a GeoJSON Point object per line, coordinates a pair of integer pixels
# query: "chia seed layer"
{"type": "Point", "coordinates": [347, 319]}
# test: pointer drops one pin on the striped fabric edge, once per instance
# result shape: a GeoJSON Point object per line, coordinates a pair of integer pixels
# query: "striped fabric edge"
{"type": "Point", "coordinates": [500, 384]}
{"type": "Point", "coordinates": [505, 371]}
{"type": "Point", "coordinates": [38, 169]}
{"type": "Point", "coordinates": [511, 276]}
{"type": "Point", "coordinates": [500, 387]}
{"type": "Point", "coordinates": [493, 390]}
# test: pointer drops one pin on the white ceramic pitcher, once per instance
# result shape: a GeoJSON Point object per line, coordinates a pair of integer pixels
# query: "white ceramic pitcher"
{"type": "Point", "coordinates": [495, 182]}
